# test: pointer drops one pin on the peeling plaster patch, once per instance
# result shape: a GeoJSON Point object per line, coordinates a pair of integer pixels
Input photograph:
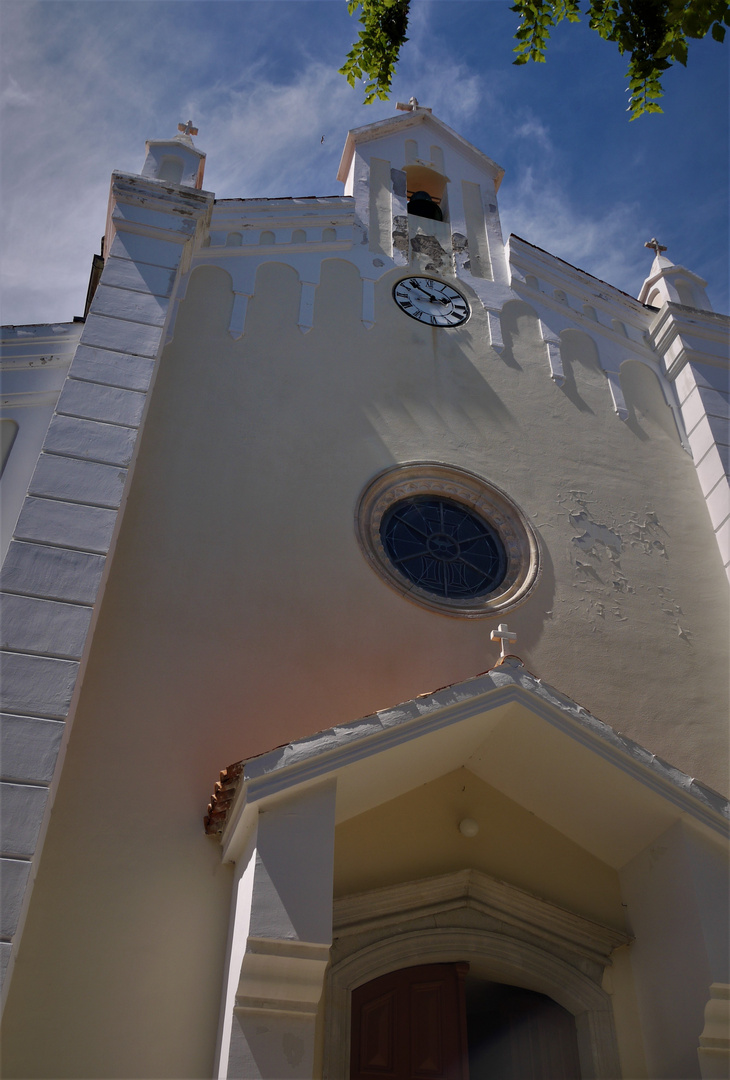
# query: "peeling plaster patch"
{"type": "Point", "coordinates": [600, 576]}
{"type": "Point", "coordinates": [588, 569]}
{"type": "Point", "coordinates": [429, 246]}
{"type": "Point", "coordinates": [400, 234]}
{"type": "Point", "coordinates": [620, 584]}
{"type": "Point", "coordinates": [460, 248]}
{"type": "Point", "coordinates": [594, 533]}
{"type": "Point", "coordinates": [671, 608]}
{"type": "Point", "coordinates": [646, 535]}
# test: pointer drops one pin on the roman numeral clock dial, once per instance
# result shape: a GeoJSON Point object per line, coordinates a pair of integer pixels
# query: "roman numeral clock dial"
{"type": "Point", "coordinates": [431, 301]}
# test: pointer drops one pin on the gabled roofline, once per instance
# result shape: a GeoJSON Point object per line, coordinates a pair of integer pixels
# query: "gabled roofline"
{"type": "Point", "coordinates": [412, 119]}
{"type": "Point", "coordinates": [513, 244]}
{"type": "Point", "coordinates": [318, 756]}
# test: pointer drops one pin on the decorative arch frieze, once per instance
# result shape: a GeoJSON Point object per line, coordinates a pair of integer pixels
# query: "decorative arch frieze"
{"type": "Point", "coordinates": [666, 391]}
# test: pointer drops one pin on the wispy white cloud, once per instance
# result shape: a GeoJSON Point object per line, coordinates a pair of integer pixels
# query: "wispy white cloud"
{"type": "Point", "coordinates": [540, 205]}
{"type": "Point", "coordinates": [431, 70]}
{"type": "Point", "coordinates": [535, 132]}
{"type": "Point", "coordinates": [265, 138]}
{"type": "Point", "coordinates": [86, 83]}
{"type": "Point", "coordinates": [13, 95]}
{"type": "Point", "coordinates": [604, 244]}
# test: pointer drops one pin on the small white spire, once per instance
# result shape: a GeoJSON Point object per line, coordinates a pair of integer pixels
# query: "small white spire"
{"type": "Point", "coordinates": [176, 160]}
{"type": "Point", "coordinates": [661, 262]}
{"type": "Point", "coordinates": [667, 282]}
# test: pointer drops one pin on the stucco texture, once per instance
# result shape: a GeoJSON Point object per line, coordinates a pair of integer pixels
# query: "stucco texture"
{"type": "Point", "coordinates": [240, 613]}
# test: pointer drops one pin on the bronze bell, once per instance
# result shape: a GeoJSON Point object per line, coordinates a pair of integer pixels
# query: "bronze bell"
{"type": "Point", "coordinates": [422, 205]}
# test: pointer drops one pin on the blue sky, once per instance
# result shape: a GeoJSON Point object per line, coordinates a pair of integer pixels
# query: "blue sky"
{"type": "Point", "coordinates": [84, 84]}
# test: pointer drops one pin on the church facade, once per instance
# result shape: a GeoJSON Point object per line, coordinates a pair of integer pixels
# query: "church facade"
{"type": "Point", "coordinates": [365, 644]}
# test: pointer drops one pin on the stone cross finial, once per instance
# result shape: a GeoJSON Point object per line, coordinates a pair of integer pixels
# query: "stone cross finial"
{"type": "Point", "coordinates": [654, 243]}
{"type": "Point", "coordinates": [412, 104]}
{"type": "Point", "coordinates": [503, 634]}
{"type": "Point", "coordinates": [187, 129]}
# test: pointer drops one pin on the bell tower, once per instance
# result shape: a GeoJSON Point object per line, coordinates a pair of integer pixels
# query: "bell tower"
{"type": "Point", "coordinates": [426, 197]}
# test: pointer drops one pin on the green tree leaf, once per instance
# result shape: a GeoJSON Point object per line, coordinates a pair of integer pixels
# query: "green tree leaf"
{"type": "Point", "coordinates": [653, 33]}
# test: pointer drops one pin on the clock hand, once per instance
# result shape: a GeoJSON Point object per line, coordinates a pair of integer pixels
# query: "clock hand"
{"type": "Point", "coordinates": [433, 299]}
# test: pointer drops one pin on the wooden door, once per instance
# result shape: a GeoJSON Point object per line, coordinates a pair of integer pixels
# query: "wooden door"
{"type": "Point", "coordinates": [517, 1034]}
{"type": "Point", "coordinates": [411, 1025]}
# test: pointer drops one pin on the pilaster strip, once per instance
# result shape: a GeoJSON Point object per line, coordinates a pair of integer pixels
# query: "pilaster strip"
{"type": "Point", "coordinates": [693, 346]}
{"type": "Point", "coordinates": [53, 576]}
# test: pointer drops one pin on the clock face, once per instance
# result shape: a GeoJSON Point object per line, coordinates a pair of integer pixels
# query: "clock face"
{"type": "Point", "coordinates": [430, 301]}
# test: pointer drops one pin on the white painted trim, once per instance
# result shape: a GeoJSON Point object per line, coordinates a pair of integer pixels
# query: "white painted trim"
{"type": "Point", "coordinates": [75, 502]}
{"type": "Point", "coordinates": [419, 117]}
{"type": "Point", "coordinates": [617, 395]}
{"type": "Point", "coordinates": [323, 754]}
{"type": "Point", "coordinates": [714, 1048]}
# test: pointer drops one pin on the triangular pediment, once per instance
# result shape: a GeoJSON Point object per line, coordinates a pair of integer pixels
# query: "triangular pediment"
{"type": "Point", "coordinates": [539, 748]}
{"type": "Point", "coordinates": [420, 118]}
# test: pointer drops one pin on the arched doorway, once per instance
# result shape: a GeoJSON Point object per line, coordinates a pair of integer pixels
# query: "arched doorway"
{"type": "Point", "coordinates": [436, 1021]}
{"type": "Point", "coordinates": [510, 938]}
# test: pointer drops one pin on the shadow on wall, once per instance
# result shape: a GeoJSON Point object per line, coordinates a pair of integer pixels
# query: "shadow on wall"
{"type": "Point", "coordinates": [583, 369]}
{"type": "Point", "coordinates": [532, 617]}
{"type": "Point", "coordinates": [649, 413]}
{"type": "Point", "coordinates": [520, 333]}
{"type": "Point", "coordinates": [8, 431]}
{"type": "Point", "coordinates": [215, 313]}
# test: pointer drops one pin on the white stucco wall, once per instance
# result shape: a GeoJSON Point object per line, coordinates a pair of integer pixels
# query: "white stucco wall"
{"type": "Point", "coordinates": [240, 613]}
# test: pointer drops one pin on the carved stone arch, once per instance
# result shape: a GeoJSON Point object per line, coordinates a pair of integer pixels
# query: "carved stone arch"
{"type": "Point", "coordinates": [516, 311]}
{"type": "Point", "coordinates": [583, 346]}
{"type": "Point", "coordinates": [524, 952]}
{"type": "Point", "coordinates": [491, 955]}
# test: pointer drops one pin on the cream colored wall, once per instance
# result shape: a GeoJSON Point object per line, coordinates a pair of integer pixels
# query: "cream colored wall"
{"type": "Point", "coordinates": [417, 836]}
{"type": "Point", "coordinates": [240, 614]}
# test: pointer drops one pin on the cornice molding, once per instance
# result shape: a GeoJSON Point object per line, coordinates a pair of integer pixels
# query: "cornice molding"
{"type": "Point", "coordinates": [418, 118]}
{"type": "Point", "coordinates": [678, 334]}
{"type": "Point", "coordinates": [323, 755]}
{"type": "Point", "coordinates": [521, 910]}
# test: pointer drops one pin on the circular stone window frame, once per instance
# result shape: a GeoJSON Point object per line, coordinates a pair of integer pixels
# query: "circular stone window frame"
{"type": "Point", "coordinates": [435, 479]}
